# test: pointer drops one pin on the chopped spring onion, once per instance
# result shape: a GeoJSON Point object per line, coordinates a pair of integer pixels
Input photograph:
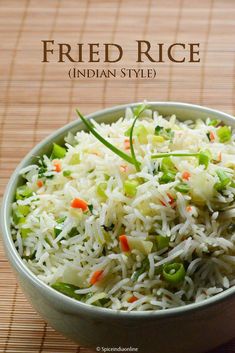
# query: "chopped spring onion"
{"type": "Point", "coordinates": [182, 187]}
{"type": "Point", "coordinates": [90, 207]}
{"type": "Point", "coordinates": [168, 134]}
{"type": "Point", "coordinates": [58, 229]}
{"type": "Point", "coordinates": [162, 242]}
{"type": "Point", "coordinates": [130, 187]}
{"type": "Point", "coordinates": [224, 180]}
{"type": "Point", "coordinates": [67, 289]}
{"type": "Point", "coordinates": [58, 151]}
{"type": "Point", "coordinates": [73, 232]}
{"type": "Point", "coordinates": [144, 268]}
{"type": "Point", "coordinates": [61, 219]}
{"type": "Point", "coordinates": [174, 273]}
{"type": "Point", "coordinates": [224, 134]}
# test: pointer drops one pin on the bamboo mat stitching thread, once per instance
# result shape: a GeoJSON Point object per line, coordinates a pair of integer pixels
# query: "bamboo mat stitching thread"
{"type": "Point", "coordinates": [81, 34]}
{"type": "Point", "coordinates": [10, 77]}
{"type": "Point", "coordinates": [176, 33]}
{"type": "Point", "coordinates": [113, 32]}
{"type": "Point", "coordinates": [11, 317]}
{"type": "Point", "coordinates": [207, 36]}
{"type": "Point", "coordinates": [145, 31]}
{"type": "Point", "coordinates": [43, 74]}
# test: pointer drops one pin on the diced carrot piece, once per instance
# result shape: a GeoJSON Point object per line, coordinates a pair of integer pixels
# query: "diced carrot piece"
{"type": "Point", "coordinates": [123, 168]}
{"type": "Point", "coordinates": [96, 276]}
{"type": "Point", "coordinates": [124, 243]}
{"type": "Point", "coordinates": [79, 203]}
{"type": "Point", "coordinates": [57, 166]}
{"type": "Point", "coordinates": [186, 175]}
{"type": "Point", "coordinates": [127, 144]}
{"type": "Point", "coordinates": [39, 183]}
{"type": "Point", "coordinates": [163, 203]}
{"type": "Point", "coordinates": [172, 200]}
{"type": "Point", "coordinates": [220, 157]}
{"type": "Point", "coordinates": [132, 299]}
{"type": "Point", "coordinates": [212, 136]}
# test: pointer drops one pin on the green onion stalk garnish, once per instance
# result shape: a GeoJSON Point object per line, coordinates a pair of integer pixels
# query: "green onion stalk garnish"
{"type": "Point", "coordinates": [130, 159]}
{"type": "Point", "coordinates": [137, 113]}
{"type": "Point", "coordinates": [203, 156]}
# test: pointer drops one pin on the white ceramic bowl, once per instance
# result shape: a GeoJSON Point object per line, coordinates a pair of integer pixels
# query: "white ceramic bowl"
{"type": "Point", "coordinates": [190, 329]}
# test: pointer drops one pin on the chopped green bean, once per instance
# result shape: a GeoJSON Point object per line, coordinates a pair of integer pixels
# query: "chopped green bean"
{"type": "Point", "coordinates": [19, 213]}
{"type": "Point", "coordinates": [224, 134]}
{"type": "Point", "coordinates": [224, 180]}
{"type": "Point", "coordinates": [67, 289]}
{"type": "Point", "coordinates": [167, 178]}
{"type": "Point", "coordinates": [169, 170]}
{"type": "Point", "coordinates": [174, 273]}
{"type": "Point", "coordinates": [25, 232]}
{"type": "Point", "coordinates": [101, 188]}
{"type": "Point", "coordinates": [58, 151]}
{"type": "Point", "coordinates": [162, 242]}
{"type": "Point", "coordinates": [204, 158]}
{"type": "Point", "coordinates": [182, 187]}
{"type": "Point", "coordinates": [23, 192]}
{"type": "Point", "coordinates": [130, 187]}
{"type": "Point", "coordinates": [67, 173]}
{"type": "Point", "coordinates": [213, 122]}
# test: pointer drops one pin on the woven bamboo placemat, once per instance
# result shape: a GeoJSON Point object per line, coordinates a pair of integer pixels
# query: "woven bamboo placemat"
{"type": "Point", "coordinates": [36, 98]}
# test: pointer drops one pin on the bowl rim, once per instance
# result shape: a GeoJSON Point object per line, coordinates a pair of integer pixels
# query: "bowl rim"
{"type": "Point", "coordinates": [73, 305]}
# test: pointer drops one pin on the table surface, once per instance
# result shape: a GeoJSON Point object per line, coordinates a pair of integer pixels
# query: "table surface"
{"type": "Point", "coordinates": [37, 98]}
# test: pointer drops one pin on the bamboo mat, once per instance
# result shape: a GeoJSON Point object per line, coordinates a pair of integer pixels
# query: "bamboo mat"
{"type": "Point", "coordinates": [36, 98]}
